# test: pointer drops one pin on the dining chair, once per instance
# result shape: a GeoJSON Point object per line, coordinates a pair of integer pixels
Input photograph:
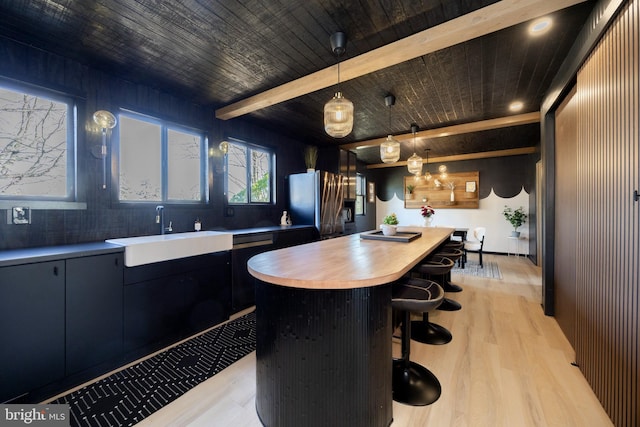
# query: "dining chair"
{"type": "Point", "coordinates": [476, 244]}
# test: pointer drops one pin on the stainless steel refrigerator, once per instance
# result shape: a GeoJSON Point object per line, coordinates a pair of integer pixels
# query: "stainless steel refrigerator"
{"type": "Point", "coordinates": [316, 198]}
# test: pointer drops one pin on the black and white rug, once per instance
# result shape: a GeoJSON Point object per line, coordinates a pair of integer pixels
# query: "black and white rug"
{"type": "Point", "coordinates": [128, 396]}
{"type": "Point", "coordinates": [490, 270]}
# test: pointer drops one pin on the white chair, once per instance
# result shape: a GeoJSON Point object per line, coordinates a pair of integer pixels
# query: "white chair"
{"type": "Point", "coordinates": [475, 244]}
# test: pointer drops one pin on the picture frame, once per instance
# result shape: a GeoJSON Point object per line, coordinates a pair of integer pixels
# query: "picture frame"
{"type": "Point", "coordinates": [470, 187]}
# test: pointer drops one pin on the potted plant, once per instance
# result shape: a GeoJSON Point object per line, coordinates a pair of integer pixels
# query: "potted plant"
{"type": "Point", "coordinates": [409, 194]}
{"type": "Point", "coordinates": [516, 217]}
{"type": "Point", "coordinates": [389, 225]}
{"type": "Point", "coordinates": [427, 213]}
{"type": "Point", "coordinates": [310, 157]}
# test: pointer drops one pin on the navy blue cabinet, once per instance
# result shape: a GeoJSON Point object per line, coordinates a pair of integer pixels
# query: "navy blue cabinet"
{"type": "Point", "coordinates": [32, 324]}
{"type": "Point", "coordinates": [93, 310]}
{"type": "Point", "coordinates": [168, 301]}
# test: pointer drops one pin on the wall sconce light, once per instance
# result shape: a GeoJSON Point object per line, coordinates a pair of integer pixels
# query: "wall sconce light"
{"type": "Point", "coordinates": [224, 147]}
{"type": "Point", "coordinates": [105, 120]}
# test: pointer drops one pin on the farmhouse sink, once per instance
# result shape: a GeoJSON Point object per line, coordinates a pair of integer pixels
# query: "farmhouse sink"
{"type": "Point", "coordinates": [149, 249]}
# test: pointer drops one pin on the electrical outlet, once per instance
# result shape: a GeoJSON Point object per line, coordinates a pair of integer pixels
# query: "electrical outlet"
{"type": "Point", "coordinates": [21, 215]}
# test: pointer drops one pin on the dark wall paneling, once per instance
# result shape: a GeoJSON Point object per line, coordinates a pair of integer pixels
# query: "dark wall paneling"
{"type": "Point", "coordinates": [104, 218]}
{"type": "Point", "coordinates": [565, 217]}
{"type": "Point", "coordinates": [608, 241]}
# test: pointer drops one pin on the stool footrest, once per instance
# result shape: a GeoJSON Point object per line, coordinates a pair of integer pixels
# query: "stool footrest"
{"type": "Point", "coordinates": [415, 385]}
{"type": "Point", "coordinates": [430, 333]}
{"type": "Point", "coordinates": [449, 305]}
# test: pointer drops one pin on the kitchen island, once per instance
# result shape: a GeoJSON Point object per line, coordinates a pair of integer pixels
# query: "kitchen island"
{"type": "Point", "coordinates": [324, 328]}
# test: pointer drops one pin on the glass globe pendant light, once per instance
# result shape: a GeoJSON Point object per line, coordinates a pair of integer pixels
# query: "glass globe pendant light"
{"type": "Point", "coordinates": [338, 112]}
{"type": "Point", "coordinates": [414, 163]}
{"type": "Point", "coordinates": [390, 148]}
{"type": "Point", "coordinates": [427, 175]}
{"type": "Point", "coordinates": [443, 171]}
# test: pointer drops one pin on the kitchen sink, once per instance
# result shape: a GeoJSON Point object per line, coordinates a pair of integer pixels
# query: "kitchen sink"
{"type": "Point", "coordinates": [149, 249]}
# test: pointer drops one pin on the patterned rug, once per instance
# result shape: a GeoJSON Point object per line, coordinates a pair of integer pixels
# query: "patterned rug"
{"type": "Point", "coordinates": [472, 268]}
{"type": "Point", "coordinates": [126, 397]}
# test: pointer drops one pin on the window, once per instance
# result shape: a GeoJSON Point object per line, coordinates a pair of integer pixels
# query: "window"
{"type": "Point", "coordinates": [37, 144]}
{"type": "Point", "coordinates": [160, 162]}
{"type": "Point", "coordinates": [249, 173]}
{"type": "Point", "coordinates": [361, 185]}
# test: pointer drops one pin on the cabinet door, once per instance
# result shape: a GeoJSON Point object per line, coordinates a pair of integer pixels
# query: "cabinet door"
{"type": "Point", "coordinates": [32, 327]}
{"type": "Point", "coordinates": [164, 308]}
{"type": "Point", "coordinates": [208, 293]}
{"type": "Point", "coordinates": [94, 310]}
{"type": "Point", "coordinates": [243, 284]}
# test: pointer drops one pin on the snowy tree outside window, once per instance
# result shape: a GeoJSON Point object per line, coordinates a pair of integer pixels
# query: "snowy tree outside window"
{"type": "Point", "coordinates": [160, 162]}
{"type": "Point", "coordinates": [36, 146]}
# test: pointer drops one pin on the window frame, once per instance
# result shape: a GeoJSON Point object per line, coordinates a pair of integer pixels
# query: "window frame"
{"type": "Point", "coordinates": [165, 126]}
{"type": "Point", "coordinates": [272, 171]}
{"type": "Point", "coordinates": [361, 185]}
{"type": "Point", "coordinates": [71, 199]}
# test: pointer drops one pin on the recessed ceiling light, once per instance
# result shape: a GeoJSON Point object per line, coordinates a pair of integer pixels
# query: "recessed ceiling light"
{"type": "Point", "coordinates": [540, 26]}
{"type": "Point", "coordinates": [516, 106]}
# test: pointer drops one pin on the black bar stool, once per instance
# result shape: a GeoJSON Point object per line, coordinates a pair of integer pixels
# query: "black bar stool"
{"type": "Point", "coordinates": [454, 255]}
{"type": "Point", "coordinates": [413, 384]}
{"type": "Point", "coordinates": [436, 268]}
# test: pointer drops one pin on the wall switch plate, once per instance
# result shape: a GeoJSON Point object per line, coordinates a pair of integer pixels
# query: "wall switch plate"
{"type": "Point", "coordinates": [21, 215]}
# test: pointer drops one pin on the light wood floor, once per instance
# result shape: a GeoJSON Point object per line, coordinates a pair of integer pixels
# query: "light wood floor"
{"type": "Point", "coordinates": [508, 365]}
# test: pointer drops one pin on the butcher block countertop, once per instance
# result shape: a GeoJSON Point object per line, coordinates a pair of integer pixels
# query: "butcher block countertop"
{"type": "Point", "coordinates": [345, 262]}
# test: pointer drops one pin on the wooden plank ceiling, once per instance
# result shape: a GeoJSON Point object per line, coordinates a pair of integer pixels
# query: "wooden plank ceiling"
{"type": "Point", "coordinates": [220, 52]}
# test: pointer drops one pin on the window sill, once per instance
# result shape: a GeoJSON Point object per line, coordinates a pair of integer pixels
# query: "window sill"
{"type": "Point", "coordinates": [43, 204]}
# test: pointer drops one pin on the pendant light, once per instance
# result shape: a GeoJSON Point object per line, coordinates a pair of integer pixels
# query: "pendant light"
{"type": "Point", "coordinates": [443, 171]}
{"type": "Point", "coordinates": [427, 175]}
{"type": "Point", "coordinates": [414, 163]}
{"type": "Point", "coordinates": [390, 148]}
{"type": "Point", "coordinates": [106, 120]}
{"type": "Point", "coordinates": [338, 112]}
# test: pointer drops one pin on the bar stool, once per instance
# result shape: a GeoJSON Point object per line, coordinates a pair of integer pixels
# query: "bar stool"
{"type": "Point", "coordinates": [436, 268]}
{"type": "Point", "coordinates": [454, 255]}
{"type": "Point", "coordinates": [424, 331]}
{"type": "Point", "coordinates": [413, 384]}
{"type": "Point", "coordinates": [456, 244]}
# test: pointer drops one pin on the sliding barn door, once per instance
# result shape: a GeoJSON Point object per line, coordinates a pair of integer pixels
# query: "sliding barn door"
{"type": "Point", "coordinates": [607, 251]}
{"type": "Point", "coordinates": [564, 275]}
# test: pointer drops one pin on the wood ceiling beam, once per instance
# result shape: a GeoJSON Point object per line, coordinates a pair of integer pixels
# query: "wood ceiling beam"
{"type": "Point", "coordinates": [460, 157]}
{"type": "Point", "coordinates": [501, 122]}
{"type": "Point", "coordinates": [489, 19]}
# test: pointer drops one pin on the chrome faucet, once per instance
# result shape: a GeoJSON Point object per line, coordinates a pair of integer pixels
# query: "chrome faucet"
{"type": "Point", "coordinates": [160, 220]}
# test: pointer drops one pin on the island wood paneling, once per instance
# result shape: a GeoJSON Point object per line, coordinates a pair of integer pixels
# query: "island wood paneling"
{"type": "Point", "coordinates": [608, 242]}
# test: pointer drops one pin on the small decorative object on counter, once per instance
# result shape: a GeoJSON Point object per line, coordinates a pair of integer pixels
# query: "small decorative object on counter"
{"type": "Point", "coordinates": [197, 225]}
{"type": "Point", "coordinates": [389, 225]}
{"type": "Point", "coordinates": [427, 213]}
{"type": "Point", "coordinates": [284, 219]}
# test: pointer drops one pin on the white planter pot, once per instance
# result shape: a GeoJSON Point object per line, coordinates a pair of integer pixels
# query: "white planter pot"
{"type": "Point", "coordinates": [389, 230]}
